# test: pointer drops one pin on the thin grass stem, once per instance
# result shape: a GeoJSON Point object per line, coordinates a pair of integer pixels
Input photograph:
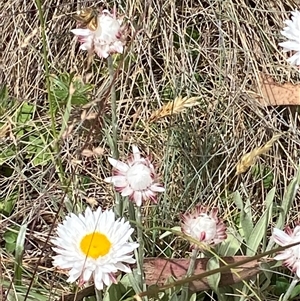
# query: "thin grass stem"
{"type": "Point", "coordinates": [190, 271]}
{"type": "Point", "coordinates": [114, 124]}
{"type": "Point", "coordinates": [291, 288]}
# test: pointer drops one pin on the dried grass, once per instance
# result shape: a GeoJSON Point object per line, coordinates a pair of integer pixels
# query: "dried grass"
{"type": "Point", "coordinates": [212, 49]}
{"type": "Point", "coordinates": [175, 106]}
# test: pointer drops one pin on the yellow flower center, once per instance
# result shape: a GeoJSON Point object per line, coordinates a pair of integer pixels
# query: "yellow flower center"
{"type": "Point", "coordinates": [95, 245]}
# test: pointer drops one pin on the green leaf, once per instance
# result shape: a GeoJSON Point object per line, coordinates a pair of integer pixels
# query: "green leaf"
{"type": "Point", "coordinates": [286, 204]}
{"type": "Point", "coordinates": [288, 198]}
{"type": "Point", "coordinates": [167, 233]}
{"type": "Point", "coordinates": [113, 292]}
{"type": "Point", "coordinates": [174, 297]}
{"type": "Point", "coordinates": [126, 283]}
{"type": "Point", "coordinates": [193, 297]}
{"type": "Point", "coordinates": [6, 155]}
{"type": "Point", "coordinates": [3, 92]}
{"type": "Point", "coordinates": [295, 291]}
{"type": "Point", "coordinates": [18, 293]}
{"type": "Point", "coordinates": [8, 203]}
{"type": "Point", "coordinates": [25, 113]}
{"type": "Point", "coordinates": [133, 281]}
{"type": "Point", "coordinates": [281, 286]}
{"type": "Point", "coordinates": [10, 237]}
{"type": "Point", "coordinates": [260, 230]}
{"type": "Point", "coordinates": [37, 148]}
{"type": "Point", "coordinates": [66, 115]}
{"type": "Point", "coordinates": [10, 247]}
{"type": "Point", "coordinates": [245, 215]}
{"type": "Point", "coordinates": [213, 280]}
{"type": "Point", "coordinates": [231, 245]}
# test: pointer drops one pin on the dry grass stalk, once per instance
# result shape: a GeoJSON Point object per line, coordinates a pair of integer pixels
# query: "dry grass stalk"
{"type": "Point", "coordinates": [250, 158]}
{"type": "Point", "coordinates": [174, 107]}
{"type": "Point", "coordinates": [28, 38]}
{"type": "Point", "coordinates": [97, 151]}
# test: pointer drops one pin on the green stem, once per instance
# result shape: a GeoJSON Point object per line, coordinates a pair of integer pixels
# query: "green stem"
{"type": "Point", "coordinates": [45, 58]}
{"type": "Point", "coordinates": [140, 259]}
{"type": "Point", "coordinates": [99, 296]}
{"type": "Point", "coordinates": [114, 117]}
{"type": "Point", "coordinates": [291, 288]}
{"type": "Point", "coordinates": [56, 148]}
{"type": "Point", "coordinates": [114, 124]}
{"type": "Point", "coordinates": [190, 272]}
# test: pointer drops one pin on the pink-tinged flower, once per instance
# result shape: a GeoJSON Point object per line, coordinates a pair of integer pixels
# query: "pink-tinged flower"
{"type": "Point", "coordinates": [106, 39]}
{"type": "Point", "coordinates": [137, 179]}
{"type": "Point", "coordinates": [203, 225]}
{"type": "Point", "coordinates": [292, 33]}
{"type": "Point", "coordinates": [290, 256]}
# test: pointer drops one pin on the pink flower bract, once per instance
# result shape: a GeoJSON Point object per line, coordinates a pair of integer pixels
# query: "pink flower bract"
{"type": "Point", "coordinates": [290, 256]}
{"type": "Point", "coordinates": [136, 179]}
{"type": "Point", "coordinates": [204, 225]}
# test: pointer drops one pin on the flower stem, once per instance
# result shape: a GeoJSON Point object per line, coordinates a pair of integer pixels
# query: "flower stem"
{"type": "Point", "coordinates": [114, 124]}
{"type": "Point", "coordinates": [140, 259]}
{"type": "Point", "coordinates": [290, 289]}
{"type": "Point", "coordinates": [99, 296]}
{"type": "Point", "coordinates": [114, 117]}
{"type": "Point", "coordinates": [190, 271]}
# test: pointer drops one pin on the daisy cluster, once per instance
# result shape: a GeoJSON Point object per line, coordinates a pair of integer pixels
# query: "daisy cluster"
{"type": "Point", "coordinates": [96, 244]}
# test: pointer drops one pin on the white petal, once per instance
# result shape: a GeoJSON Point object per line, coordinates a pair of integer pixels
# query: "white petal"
{"type": "Point", "coordinates": [136, 153]}
{"type": "Point", "coordinates": [138, 198]}
{"type": "Point", "coordinates": [118, 181]}
{"type": "Point", "coordinates": [282, 256]}
{"type": "Point", "coordinates": [157, 188]}
{"type": "Point", "coordinates": [280, 237]}
{"type": "Point", "coordinates": [118, 164]}
{"type": "Point", "coordinates": [295, 59]}
{"type": "Point", "coordinates": [81, 32]}
{"type": "Point", "coordinates": [290, 45]}
{"type": "Point", "coordinates": [127, 191]}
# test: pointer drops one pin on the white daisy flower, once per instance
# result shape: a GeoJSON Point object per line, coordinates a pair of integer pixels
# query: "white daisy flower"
{"type": "Point", "coordinates": [94, 245]}
{"type": "Point", "coordinates": [292, 33]}
{"type": "Point", "coordinates": [290, 256]}
{"type": "Point", "coordinates": [204, 226]}
{"type": "Point", "coordinates": [108, 37]}
{"type": "Point", "coordinates": [137, 179]}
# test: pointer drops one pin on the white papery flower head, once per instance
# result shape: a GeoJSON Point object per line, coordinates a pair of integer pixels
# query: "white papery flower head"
{"type": "Point", "coordinates": [204, 225]}
{"type": "Point", "coordinates": [108, 37]}
{"type": "Point", "coordinates": [94, 246]}
{"type": "Point", "coordinates": [136, 179]}
{"type": "Point", "coordinates": [290, 256]}
{"type": "Point", "coordinates": [292, 33]}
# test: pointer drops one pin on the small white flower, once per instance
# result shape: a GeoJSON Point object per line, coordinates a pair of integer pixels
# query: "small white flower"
{"type": "Point", "coordinates": [204, 226]}
{"type": "Point", "coordinates": [93, 245]}
{"type": "Point", "coordinates": [137, 179]}
{"type": "Point", "coordinates": [106, 39]}
{"type": "Point", "coordinates": [290, 256]}
{"type": "Point", "coordinates": [292, 33]}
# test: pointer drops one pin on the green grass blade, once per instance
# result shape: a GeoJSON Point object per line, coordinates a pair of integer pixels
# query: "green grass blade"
{"type": "Point", "coordinates": [259, 231]}
{"type": "Point", "coordinates": [19, 254]}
